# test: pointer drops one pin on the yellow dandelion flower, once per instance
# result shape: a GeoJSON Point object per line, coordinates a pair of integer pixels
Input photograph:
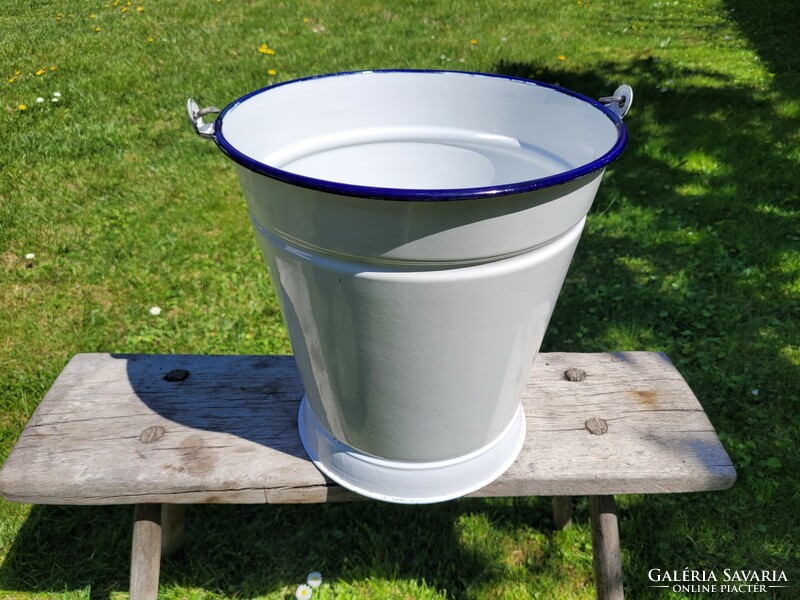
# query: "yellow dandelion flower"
{"type": "Point", "coordinates": [22, 107]}
{"type": "Point", "coordinates": [473, 42]}
{"type": "Point", "coordinates": [98, 29]}
{"type": "Point", "coordinates": [53, 68]}
{"type": "Point", "coordinates": [124, 9]}
{"type": "Point", "coordinates": [116, 2]}
{"type": "Point", "coordinates": [149, 40]}
{"type": "Point", "coordinates": [140, 9]}
{"type": "Point", "coordinates": [270, 51]}
{"type": "Point", "coordinates": [271, 72]}
{"type": "Point", "coordinates": [263, 48]}
{"type": "Point", "coordinates": [561, 57]}
{"type": "Point", "coordinates": [306, 19]}
{"type": "Point", "coordinates": [93, 16]}
{"type": "Point", "coordinates": [41, 72]}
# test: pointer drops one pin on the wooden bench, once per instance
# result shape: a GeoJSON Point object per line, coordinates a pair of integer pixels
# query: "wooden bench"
{"type": "Point", "coordinates": [163, 431]}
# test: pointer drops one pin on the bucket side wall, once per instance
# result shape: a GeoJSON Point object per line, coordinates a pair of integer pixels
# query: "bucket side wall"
{"type": "Point", "coordinates": [416, 365]}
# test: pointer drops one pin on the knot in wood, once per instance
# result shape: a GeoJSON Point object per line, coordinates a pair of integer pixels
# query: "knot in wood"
{"type": "Point", "coordinates": [573, 374]}
{"type": "Point", "coordinates": [177, 375]}
{"type": "Point", "coordinates": [596, 426]}
{"type": "Point", "coordinates": [151, 434]}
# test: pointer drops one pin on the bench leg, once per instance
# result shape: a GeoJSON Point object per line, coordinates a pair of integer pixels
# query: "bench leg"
{"type": "Point", "coordinates": [146, 552]}
{"type": "Point", "coordinates": [173, 518]}
{"type": "Point", "coordinates": [605, 548]}
{"type": "Point", "coordinates": [562, 512]}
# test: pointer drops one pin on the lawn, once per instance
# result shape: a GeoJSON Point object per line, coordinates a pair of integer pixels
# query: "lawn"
{"type": "Point", "coordinates": [691, 249]}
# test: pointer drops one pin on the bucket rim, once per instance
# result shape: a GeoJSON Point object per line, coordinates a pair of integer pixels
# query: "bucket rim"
{"type": "Point", "coordinates": [420, 194]}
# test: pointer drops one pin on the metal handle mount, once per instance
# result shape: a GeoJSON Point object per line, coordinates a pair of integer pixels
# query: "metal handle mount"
{"type": "Point", "coordinates": [196, 114]}
{"type": "Point", "coordinates": [620, 102]}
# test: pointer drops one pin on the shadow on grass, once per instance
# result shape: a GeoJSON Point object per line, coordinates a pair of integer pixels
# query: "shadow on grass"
{"type": "Point", "coordinates": [772, 30]}
{"type": "Point", "coordinates": [255, 549]}
{"type": "Point", "coordinates": [69, 548]}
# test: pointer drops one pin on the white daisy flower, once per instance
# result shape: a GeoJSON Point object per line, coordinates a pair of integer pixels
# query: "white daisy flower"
{"type": "Point", "coordinates": [155, 310]}
{"type": "Point", "coordinates": [54, 99]}
{"type": "Point", "coordinates": [30, 256]}
{"type": "Point", "coordinates": [314, 579]}
{"type": "Point", "coordinates": [303, 592]}
{"type": "Point", "coordinates": [56, 94]}
{"type": "Point", "coordinates": [40, 100]}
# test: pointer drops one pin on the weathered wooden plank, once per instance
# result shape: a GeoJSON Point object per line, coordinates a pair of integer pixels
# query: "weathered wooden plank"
{"type": "Point", "coordinates": [114, 430]}
{"type": "Point", "coordinates": [658, 438]}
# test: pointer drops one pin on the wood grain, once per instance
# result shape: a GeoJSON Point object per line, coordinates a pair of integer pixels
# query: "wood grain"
{"type": "Point", "coordinates": [113, 430]}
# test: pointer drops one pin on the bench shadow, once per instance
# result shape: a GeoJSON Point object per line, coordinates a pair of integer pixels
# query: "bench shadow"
{"type": "Point", "coordinates": [70, 548]}
{"type": "Point", "coordinates": [274, 546]}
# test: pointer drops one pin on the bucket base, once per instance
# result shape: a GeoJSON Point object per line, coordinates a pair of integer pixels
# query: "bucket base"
{"type": "Point", "coordinates": [406, 482]}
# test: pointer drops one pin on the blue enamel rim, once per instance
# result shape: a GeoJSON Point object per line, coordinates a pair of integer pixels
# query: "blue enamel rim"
{"type": "Point", "coordinates": [421, 195]}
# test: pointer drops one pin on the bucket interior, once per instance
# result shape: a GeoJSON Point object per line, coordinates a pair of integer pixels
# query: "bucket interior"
{"type": "Point", "coordinates": [409, 130]}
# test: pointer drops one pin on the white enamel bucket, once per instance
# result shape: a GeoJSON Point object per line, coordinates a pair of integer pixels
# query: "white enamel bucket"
{"type": "Point", "coordinates": [417, 226]}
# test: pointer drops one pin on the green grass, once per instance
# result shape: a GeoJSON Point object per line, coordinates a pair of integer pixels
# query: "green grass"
{"type": "Point", "coordinates": [691, 249]}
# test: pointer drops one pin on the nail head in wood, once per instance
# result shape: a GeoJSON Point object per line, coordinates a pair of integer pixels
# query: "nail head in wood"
{"type": "Point", "coordinates": [177, 375]}
{"type": "Point", "coordinates": [596, 426]}
{"type": "Point", "coordinates": [573, 374]}
{"type": "Point", "coordinates": [151, 434]}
